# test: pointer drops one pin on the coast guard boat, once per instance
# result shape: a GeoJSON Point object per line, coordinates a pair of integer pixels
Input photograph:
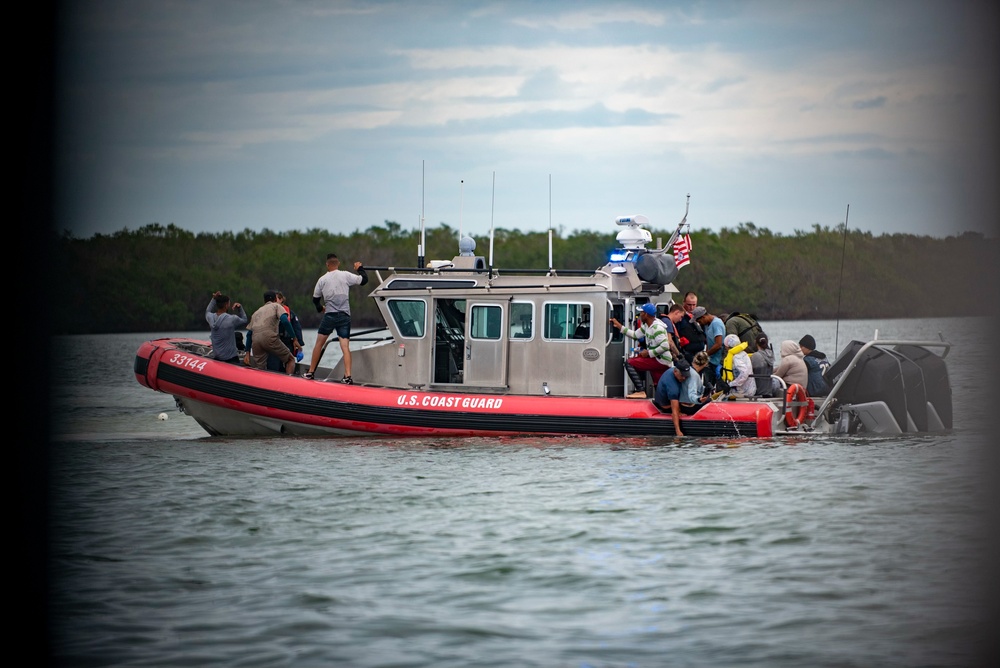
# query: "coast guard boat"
{"type": "Point", "coordinates": [472, 349]}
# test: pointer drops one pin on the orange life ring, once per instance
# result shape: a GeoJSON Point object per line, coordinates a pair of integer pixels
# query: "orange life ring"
{"type": "Point", "coordinates": [796, 396]}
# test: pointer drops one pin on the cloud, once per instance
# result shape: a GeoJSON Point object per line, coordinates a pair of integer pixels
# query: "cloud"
{"type": "Point", "coordinates": [179, 93]}
{"type": "Point", "coordinates": [872, 103]}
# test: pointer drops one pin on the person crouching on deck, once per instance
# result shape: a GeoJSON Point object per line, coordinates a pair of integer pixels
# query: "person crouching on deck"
{"type": "Point", "coordinates": [263, 334]}
{"type": "Point", "coordinates": [656, 357]}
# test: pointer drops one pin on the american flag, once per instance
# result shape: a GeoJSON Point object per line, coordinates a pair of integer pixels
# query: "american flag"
{"type": "Point", "coordinates": [682, 251]}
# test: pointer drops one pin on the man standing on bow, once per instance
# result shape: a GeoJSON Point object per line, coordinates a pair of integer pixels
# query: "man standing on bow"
{"type": "Point", "coordinates": [331, 298]}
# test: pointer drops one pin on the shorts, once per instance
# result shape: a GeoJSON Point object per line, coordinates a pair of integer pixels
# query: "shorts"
{"type": "Point", "coordinates": [341, 322]}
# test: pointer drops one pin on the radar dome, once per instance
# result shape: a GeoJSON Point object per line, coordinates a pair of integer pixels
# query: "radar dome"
{"type": "Point", "coordinates": [466, 246]}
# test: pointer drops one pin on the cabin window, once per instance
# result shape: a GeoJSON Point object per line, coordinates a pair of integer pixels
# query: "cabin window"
{"type": "Point", "coordinates": [522, 315]}
{"type": "Point", "coordinates": [618, 313]}
{"type": "Point", "coordinates": [409, 316]}
{"type": "Point", "coordinates": [487, 321]}
{"type": "Point", "coordinates": [567, 321]}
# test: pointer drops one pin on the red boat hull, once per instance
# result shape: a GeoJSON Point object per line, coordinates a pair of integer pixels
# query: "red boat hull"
{"type": "Point", "coordinates": [227, 395]}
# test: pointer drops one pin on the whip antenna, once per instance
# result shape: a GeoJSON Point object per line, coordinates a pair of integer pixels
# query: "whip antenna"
{"type": "Point", "coordinates": [420, 246]}
{"type": "Point", "coordinates": [840, 290]}
{"type": "Point", "coordinates": [550, 222]}
{"type": "Point", "coordinates": [492, 202]}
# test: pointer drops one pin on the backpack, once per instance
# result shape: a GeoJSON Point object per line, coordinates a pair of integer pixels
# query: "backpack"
{"type": "Point", "coordinates": [745, 326]}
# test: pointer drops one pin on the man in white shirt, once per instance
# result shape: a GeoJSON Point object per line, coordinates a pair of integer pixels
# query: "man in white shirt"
{"type": "Point", "coordinates": [332, 299]}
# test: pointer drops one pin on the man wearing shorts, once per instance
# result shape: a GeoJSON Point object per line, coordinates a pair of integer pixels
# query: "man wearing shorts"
{"type": "Point", "coordinates": [332, 299]}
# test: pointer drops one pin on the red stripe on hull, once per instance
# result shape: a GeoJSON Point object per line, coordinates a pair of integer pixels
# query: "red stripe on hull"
{"type": "Point", "coordinates": [162, 355]}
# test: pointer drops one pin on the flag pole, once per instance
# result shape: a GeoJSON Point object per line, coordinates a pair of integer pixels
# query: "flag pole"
{"type": "Point", "coordinates": [680, 225]}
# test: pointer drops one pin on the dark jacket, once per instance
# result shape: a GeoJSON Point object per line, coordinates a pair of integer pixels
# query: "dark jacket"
{"type": "Point", "coordinates": [817, 363]}
{"type": "Point", "coordinates": [688, 328]}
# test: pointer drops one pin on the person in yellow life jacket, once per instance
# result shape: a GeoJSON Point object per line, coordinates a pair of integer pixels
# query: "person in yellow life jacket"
{"type": "Point", "coordinates": [737, 369]}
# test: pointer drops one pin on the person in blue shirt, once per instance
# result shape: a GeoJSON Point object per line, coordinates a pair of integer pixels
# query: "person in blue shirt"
{"type": "Point", "coordinates": [715, 333]}
{"type": "Point", "coordinates": [693, 393]}
{"type": "Point", "coordinates": [669, 389]}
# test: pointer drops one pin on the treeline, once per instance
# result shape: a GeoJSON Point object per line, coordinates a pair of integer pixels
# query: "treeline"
{"type": "Point", "coordinates": [160, 278]}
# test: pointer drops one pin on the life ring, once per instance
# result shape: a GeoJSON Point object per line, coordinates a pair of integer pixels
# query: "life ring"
{"type": "Point", "coordinates": [796, 396]}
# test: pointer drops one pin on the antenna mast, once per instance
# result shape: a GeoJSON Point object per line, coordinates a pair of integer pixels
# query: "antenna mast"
{"type": "Point", "coordinates": [550, 222]}
{"type": "Point", "coordinates": [840, 290]}
{"type": "Point", "coordinates": [420, 246]}
{"type": "Point", "coordinates": [492, 203]}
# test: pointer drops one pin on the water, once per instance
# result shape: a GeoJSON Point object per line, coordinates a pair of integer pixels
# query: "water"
{"type": "Point", "coordinates": [171, 548]}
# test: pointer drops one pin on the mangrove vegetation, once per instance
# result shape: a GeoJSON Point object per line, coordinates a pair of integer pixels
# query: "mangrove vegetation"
{"type": "Point", "coordinates": [160, 278]}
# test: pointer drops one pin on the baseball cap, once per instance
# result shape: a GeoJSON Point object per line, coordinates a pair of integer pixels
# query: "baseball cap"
{"type": "Point", "coordinates": [649, 309]}
{"type": "Point", "coordinates": [698, 312]}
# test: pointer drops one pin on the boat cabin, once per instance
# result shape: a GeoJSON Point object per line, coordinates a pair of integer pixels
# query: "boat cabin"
{"type": "Point", "coordinates": [461, 326]}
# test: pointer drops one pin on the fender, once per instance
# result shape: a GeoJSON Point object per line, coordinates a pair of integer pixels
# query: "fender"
{"type": "Point", "coordinates": [796, 405]}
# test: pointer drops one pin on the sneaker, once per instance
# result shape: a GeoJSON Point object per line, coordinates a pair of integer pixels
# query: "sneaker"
{"type": "Point", "coordinates": [347, 380]}
{"type": "Point", "coordinates": [308, 375]}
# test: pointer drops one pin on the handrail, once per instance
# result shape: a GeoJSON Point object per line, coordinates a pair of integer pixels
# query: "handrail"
{"type": "Point", "coordinates": [483, 270]}
{"type": "Point", "coordinates": [828, 400]}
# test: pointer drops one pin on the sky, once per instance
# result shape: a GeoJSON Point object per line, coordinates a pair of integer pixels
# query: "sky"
{"type": "Point", "coordinates": [231, 115]}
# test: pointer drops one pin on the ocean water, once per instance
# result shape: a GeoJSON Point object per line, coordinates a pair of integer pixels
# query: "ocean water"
{"type": "Point", "coordinates": [172, 548]}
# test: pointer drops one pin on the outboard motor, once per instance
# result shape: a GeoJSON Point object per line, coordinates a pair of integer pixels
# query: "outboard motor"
{"type": "Point", "coordinates": [909, 381]}
{"type": "Point", "coordinates": [877, 377]}
{"type": "Point", "coordinates": [913, 391]}
{"type": "Point", "coordinates": [937, 387]}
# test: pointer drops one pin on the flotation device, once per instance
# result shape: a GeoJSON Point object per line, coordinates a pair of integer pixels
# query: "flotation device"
{"type": "Point", "coordinates": [727, 364]}
{"type": "Point", "coordinates": [796, 405]}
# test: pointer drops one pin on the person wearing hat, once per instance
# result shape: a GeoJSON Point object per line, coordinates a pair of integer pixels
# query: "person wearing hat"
{"type": "Point", "coordinates": [669, 389]}
{"type": "Point", "coordinates": [791, 368]}
{"type": "Point", "coordinates": [262, 334]}
{"type": "Point", "coordinates": [817, 363]}
{"type": "Point", "coordinates": [741, 380]}
{"type": "Point", "coordinates": [655, 357]}
{"type": "Point", "coordinates": [715, 332]}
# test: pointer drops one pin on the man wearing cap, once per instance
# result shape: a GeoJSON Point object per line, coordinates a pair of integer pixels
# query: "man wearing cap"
{"type": "Point", "coordinates": [262, 334]}
{"type": "Point", "coordinates": [668, 391]}
{"type": "Point", "coordinates": [655, 358]}
{"type": "Point", "coordinates": [817, 363]}
{"type": "Point", "coordinates": [715, 333]}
